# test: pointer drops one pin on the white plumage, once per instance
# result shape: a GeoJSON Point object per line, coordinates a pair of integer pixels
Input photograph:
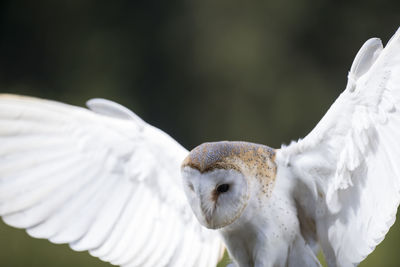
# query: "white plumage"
{"type": "Point", "coordinates": [349, 162]}
{"type": "Point", "coordinates": [106, 181]}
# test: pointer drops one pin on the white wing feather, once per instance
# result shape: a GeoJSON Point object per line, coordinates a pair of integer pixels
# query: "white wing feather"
{"type": "Point", "coordinates": [102, 181]}
{"type": "Point", "coordinates": [350, 160]}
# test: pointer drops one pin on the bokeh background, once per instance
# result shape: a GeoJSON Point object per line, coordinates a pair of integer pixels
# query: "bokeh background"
{"type": "Point", "coordinates": [201, 70]}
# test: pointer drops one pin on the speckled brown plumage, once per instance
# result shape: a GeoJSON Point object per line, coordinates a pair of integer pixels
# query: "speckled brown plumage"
{"type": "Point", "coordinates": [247, 158]}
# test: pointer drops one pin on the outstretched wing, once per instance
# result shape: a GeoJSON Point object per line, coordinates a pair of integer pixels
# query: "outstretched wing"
{"type": "Point", "coordinates": [101, 180]}
{"type": "Point", "coordinates": [350, 161]}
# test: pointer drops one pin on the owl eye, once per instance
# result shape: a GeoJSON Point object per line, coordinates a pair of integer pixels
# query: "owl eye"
{"type": "Point", "coordinates": [223, 188]}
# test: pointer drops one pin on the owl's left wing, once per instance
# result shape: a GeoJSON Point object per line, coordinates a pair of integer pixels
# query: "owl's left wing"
{"type": "Point", "coordinates": [350, 161]}
{"type": "Point", "coordinates": [101, 180]}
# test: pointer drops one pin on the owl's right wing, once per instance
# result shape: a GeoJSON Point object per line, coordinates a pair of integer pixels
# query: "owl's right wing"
{"type": "Point", "coordinates": [101, 180]}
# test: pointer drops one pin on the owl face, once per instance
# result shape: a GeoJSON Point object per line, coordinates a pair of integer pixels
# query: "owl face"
{"type": "Point", "coordinates": [217, 197]}
{"type": "Point", "coordinates": [218, 178]}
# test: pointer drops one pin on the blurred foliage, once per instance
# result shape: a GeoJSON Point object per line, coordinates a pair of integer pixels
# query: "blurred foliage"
{"type": "Point", "coordinates": [225, 260]}
{"type": "Point", "coordinates": [260, 71]}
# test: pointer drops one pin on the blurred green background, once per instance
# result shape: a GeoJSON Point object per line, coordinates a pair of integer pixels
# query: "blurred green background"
{"type": "Point", "coordinates": [201, 70]}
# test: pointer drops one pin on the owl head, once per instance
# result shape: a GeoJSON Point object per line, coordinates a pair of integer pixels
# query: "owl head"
{"type": "Point", "coordinates": [221, 178]}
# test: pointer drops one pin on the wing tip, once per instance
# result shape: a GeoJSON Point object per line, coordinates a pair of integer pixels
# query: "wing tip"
{"type": "Point", "coordinates": [112, 109]}
{"type": "Point", "coordinates": [365, 58]}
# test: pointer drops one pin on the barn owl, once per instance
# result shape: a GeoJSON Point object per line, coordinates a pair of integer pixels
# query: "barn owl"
{"type": "Point", "coordinates": [103, 180]}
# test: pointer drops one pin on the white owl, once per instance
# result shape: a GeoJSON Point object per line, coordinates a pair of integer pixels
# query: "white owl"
{"type": "Point", "coordinates": [105, 181]}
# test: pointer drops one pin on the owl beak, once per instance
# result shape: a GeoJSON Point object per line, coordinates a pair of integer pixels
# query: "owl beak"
{"type": "Point", "coordinates": [202, 217]}
{"type": "Point", "coordinates": [199, 211]}
{"type": "Point", "coordinates": [207, 207]}
{"type": "Point", "coordinates": [208, 221]}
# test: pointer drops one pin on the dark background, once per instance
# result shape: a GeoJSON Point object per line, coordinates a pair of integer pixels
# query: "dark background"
{"type": "Point", "coordinates": [201, 70]}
